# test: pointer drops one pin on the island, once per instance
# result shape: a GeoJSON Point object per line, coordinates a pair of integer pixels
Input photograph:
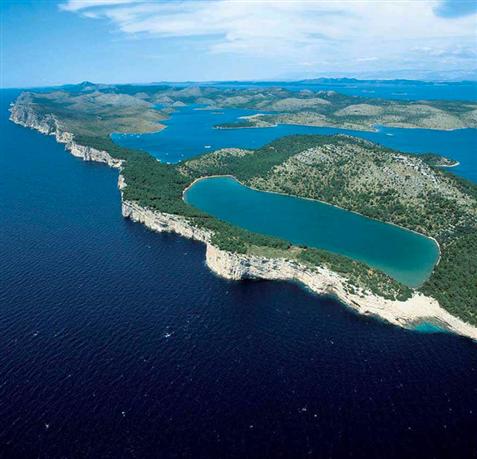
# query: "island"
{"type": "Point", "coordinates": [411, 191]}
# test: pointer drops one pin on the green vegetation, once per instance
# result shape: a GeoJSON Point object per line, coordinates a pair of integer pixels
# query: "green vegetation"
{"type": "Point", "coordinates": [437, 160]}
{"type": "Point", "coordinates": [246, 164]}
{"type": "Point", "coordinates": [159, 186]}
{"type": "Point", "coordinates": [328, 108]}
{"type": "Point", "coordinates": [381, 183]}
{"type": "Point", "coordinates": [96, 113]}
{"type": "Point", "coordinates": [454, 280]}
{"type": "Point", "coordinates": [236, 124]}
{"type": "Point", "coordinates": [358, 273]}
{"type": "Point", "coordinates": [357, 175]}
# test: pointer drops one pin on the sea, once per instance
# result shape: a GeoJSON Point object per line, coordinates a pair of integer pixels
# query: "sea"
{"type": "Point", "coordinates": [119, 342]}
{"type": "Point", "coordinates": [191, 131]}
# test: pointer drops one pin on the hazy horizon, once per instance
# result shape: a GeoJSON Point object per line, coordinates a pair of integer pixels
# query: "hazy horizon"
{"type": "Point", "coordinates": [131, 41]}
{"type": "Point", "coordinates": [172, 82]}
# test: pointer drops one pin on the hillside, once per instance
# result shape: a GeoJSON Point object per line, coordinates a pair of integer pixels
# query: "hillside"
{"type": "Point", "coordinates": [95, 113]}
{"type": "Point", "coordinates": [377, 182]}
{"type": "Point", "coordinates": [354, 174]}
{"type": "Point", "coordinates": [117, 107]}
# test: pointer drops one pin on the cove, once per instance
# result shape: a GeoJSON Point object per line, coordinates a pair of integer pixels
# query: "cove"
{"type": "Point", "coordinates": [404, 255]}
{"type": "Point", "coordinates": [190, 131]}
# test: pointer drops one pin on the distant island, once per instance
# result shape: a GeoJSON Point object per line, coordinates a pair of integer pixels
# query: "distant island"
{"type": "Point", "coordinates": [412, 191]}
{"type": "Point", "coordinates": [332, 109]}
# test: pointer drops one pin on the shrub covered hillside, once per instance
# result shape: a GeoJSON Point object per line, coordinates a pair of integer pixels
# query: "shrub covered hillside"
{"type": "Point", "coordinates": [354, 174]}
{"type": "Point", "coordinates": [391, 186]}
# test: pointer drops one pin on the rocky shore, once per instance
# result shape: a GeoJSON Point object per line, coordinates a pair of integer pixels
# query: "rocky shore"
{"type": "Point", "coordinates": [236, 266]}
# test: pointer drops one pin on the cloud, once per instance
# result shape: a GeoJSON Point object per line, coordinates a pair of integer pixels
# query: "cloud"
{"type": "Point", "coordinates": [78, 5]}
{"type": "Point", "coordinates": [335, 33]}
{"type": "Point", "coordinates": [455, 8]}
{"type": "Point", "coordinates": [367, 59]}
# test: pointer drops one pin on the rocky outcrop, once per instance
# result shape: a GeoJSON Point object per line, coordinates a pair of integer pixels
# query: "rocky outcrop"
{"type": "Point", "coordinates": [91, 154]}
{"type": "Point", "coordinates": [163, 222]}
{"type": "Point", "coordinates": [237, 266]}
{"type": "Point", "coordinates": [321, 280]}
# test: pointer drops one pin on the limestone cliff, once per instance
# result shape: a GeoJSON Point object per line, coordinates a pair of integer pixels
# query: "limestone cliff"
{"type": "Point", "coordinates": [323, 281]}
{"type": "Point", "coordinates": [162, 222]}
{"type": "Point", "coordinates": [236, 266]}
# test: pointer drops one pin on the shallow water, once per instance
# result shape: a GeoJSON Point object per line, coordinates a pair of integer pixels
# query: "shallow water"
{"type": "Point", "coordinates": [404, 255]}
{"type": "Point", "coordinates": [428, 327]}
{"type": "Point", "coordinates": [191, 132]}
{"type": "Point", "coordinates": [118, 342]}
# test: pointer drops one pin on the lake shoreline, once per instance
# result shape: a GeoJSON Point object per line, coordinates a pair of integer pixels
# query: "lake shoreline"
{"type": "Point", "coordinates": [321, 202]}
{"type": "Point", "coordinates": [234, 266]}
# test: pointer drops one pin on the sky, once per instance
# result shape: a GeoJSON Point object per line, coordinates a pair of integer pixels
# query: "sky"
{"type": "Point", "coordinates": [45, 42]}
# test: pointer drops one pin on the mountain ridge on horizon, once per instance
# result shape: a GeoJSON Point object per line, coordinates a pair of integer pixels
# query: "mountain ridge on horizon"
{"type": "Point", "coordinates": [304, 82]}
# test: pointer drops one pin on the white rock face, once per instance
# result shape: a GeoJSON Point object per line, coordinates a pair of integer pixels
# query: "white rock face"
{"type": "Point", "coordinates": [323, 281]}
{"type": "Point", "coordinates": [91, 154]}
{"type": "Point", "coordinates": [162, 222]}
{"type": "Point", "coordinates": [24, 115]}
{"type": "Point", "coordinates": [236, 266]}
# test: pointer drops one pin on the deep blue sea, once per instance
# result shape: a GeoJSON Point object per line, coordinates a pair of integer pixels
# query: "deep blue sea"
{"type": "Point", "coordinates": [190, 131]}
{"type": "Point", "coordinates": [118, 342]}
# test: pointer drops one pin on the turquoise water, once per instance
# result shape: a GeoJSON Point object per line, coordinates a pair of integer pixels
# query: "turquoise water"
{"type": "Point", "coordinates": [191, 132]}
{"type": "Point", "coordinates": [428, 327]}
{"type": "Point", "coordinates": [406, 256]}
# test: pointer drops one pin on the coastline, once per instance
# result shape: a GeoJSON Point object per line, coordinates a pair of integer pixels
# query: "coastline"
{"type": "Point", "coordinates": [457, 163]}
{"type": "Point", "coordinates": [370, 128]}
{"type": "Point", "coordinates": [321, 202]}
{"type": "Point", "coordinates": [234, 266]}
